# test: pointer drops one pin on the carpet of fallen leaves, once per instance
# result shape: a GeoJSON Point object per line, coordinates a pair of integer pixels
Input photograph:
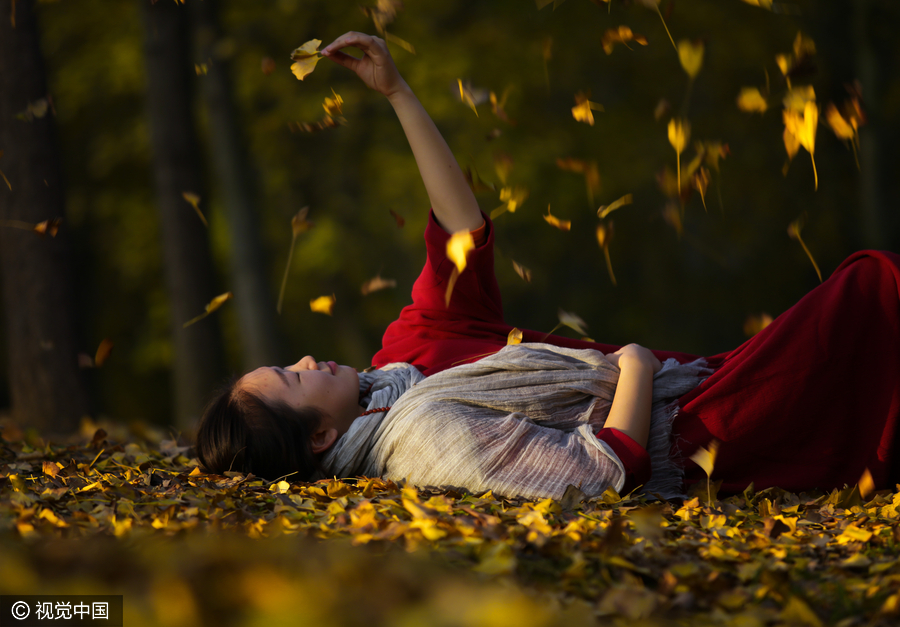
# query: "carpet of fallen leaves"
{"type": "Point", "coordinates": [128, 512]}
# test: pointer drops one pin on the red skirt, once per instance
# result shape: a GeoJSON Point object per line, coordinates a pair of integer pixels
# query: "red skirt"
{"type": "Point", "coordinates": [814, 399]}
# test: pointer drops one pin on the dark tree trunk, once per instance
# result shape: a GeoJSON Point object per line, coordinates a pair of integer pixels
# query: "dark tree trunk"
{"type": "Point", "coordinates": [233, 174]}
{"type": "Point", "coordinates": [47, 388]}
{"type": "Point", "coordinates": [189, 272]}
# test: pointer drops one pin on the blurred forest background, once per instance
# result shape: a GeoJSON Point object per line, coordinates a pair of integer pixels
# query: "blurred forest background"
{"type": "Point", "coordinates": [142, 102]}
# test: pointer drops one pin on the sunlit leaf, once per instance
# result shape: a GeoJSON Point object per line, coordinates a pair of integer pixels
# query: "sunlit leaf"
{"type": "Point", "coordinates": [201, 69]}
{"type": "Point", "coordinates": [377, 283]}
{"type": "Point", "coordinates": [213, 305]}
{"type": "Point", "coordinates": [679, 133]}
{"type": "Point", "coordinates": [392, 38]}
{"type": "Point", "coordinates": [552, 220]}
{"type": "Point", "coordinates": [103, 352]}
{"type": "Point", "coordinates": [800, 130]}
{"type": "Point", "coordinates": [763, 4]}
{"type": "Point", "coordinates": [797, 98]}
{"type": "Point", "coordinates": [751, 100]}
{"type": "Point", "coordinates": [700, 181]}
{"type": "Point", "coordinates": [838, 124]}
{"type": "Point", "coordinates": [333, 106]}
{"type": "Point", "coordinates": [583, 109]}
{"type": "Point", "coordinates": [383, 13]}
{"type": "Point", "coordinates": [470, 95]}
{"type": "Point", "coordinates": [512, 198]}
{"type": "Point", "coordinates": [194, 200]}
{"type": "Point", "coordinates": [498, 106]}
{"type": "Point", "coordinates": [621, 35]}
{"type": "Point", "coordinates": [605, 210]}
{"type": "Point", "coordinates": [866, 484]}
{"type": "Point", "coordinates": [322, 304]}
{"type": "Point", "coordinates": [305, 58]}
{"type": "Point", "coordinates": [706, 459]}
{"type": "Point", "coordinates": [458, 247]}
{"type": "Point", "coordinates": [514, 337]}
{"type": "Point", "coordinates": [572, 321]}
{"type": "Point", "coordinates": [522, 271]}
{"type": "Point", "coordinates": [690, 54]}
{"type": "Point", "coordinates": [48, 227]}
{"type": "Point", "coordinates": [794, 229]}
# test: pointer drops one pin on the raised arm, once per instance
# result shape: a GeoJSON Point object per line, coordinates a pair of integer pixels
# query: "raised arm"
{"type": "Point", "coordinates": [630, 410]}
{"type": "Point", "coordinates": [451, 198]}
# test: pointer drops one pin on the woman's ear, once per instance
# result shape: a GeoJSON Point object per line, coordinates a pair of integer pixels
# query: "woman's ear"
{"type": "Point", "coordinates": [322, 439]}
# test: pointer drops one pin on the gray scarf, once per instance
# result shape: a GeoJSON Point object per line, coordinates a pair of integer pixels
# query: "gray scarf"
{"type": "Point", "coordinates": [436, 428]}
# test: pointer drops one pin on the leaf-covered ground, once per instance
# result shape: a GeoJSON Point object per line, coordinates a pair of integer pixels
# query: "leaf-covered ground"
{"type": "Point", "coordinates": [129, 513]}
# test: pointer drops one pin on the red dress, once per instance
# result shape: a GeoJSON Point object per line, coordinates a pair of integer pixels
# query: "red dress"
{"type": "Point", "coordinates": [810, 402]}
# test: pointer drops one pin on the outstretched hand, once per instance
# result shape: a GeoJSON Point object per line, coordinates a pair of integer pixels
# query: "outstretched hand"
{"type": "Point", "coordinates": [376, 68]}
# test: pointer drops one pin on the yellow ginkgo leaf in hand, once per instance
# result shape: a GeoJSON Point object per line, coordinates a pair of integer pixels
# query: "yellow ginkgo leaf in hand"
{"type": "Point", "coordinates": [514, 337]}
{"type": "Point", "coordinates": [706, 459]}
{"type": "Point", "coordinates": [605, 210]}
{"type": "Point", "coordinates": [582, 111]}
{"type": "Point", "coordinates": [552, 220]}
{"type": "Point", "coordinates": [214, 304]}
{"type": "Point", "coordinates": [458, 247]}
{"type": "Point", "coordinates": [322, 304]}
{"type": "Point", "coordinates": [751, 100]}
{"type": "Point", "coordinates": [305, 58]}
{"type": "Point", "coordinates": [690, 54]}
{"type": "Point", "coordinates": [621, 35]}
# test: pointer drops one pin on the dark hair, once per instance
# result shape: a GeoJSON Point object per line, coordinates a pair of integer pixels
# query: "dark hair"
{"type": "Point", "coordinates": [242, 432]}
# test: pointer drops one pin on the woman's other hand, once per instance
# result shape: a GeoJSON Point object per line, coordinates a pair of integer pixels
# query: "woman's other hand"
{"type": "Point", "coordinates": [634, 354]}
{"type": "Point", "coordinates": [376, 68]}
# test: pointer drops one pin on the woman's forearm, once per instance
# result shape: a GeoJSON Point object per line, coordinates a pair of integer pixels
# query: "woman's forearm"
{"type": "Point", "coordinates": [630, 411]}
{"type": "Point", "coordinates": [451, 198]}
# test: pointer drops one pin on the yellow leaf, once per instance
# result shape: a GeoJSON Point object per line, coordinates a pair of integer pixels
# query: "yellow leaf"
{"type": "Point", "coordinates": [605, 210]}
{"type": "Point", "coordinates": [333, 106]}
{"type": "Point", "coordinates": [866, 484]}
{"type": "Point", "coordinates": [103, 352]}
{"type": "Point", "coordinates": [194, 201]}
{"type": "Point", "coordinates": [514, 337]}
{"type": "Point", "coordinates": [754, 324]}
{"type": "Point", "coordinates": [691, 56]}
{"type": "Point", "coordinates": [503, 165]}
{"type": "Point", "coordinates": [458, 246]}
{"type": "Point", "coordinates": [792, 123]}
{"type": "Point", "coordinates": [512, 198]}
{"type": "Point", "coordinates": [700, 181]}
{"type": "Point", "coordinates": [621, 35]}
{"type": "Point", "coordinates": [706, 458]}
{"type": "Point", "coordinates": [582, 111]}
{"type": "Point", "coordinates": [679, 134]}
{"type": "Point", "coordinates": [794, 233]}
{"type": "Point", "coordinates": [552, 220]}
{"type": "Point", "coordinates": [522, 271]}
{"type": "Point", "coordinates": [838, 124]}
{"type": "Point", "coordinates": [763, 4]}
{"type": "Point", "coordinates": [322, 304]}
{"type": "Point", "coordinates": [377, 283]}
{"type": "Point", "coordinates": [50, 227]}
{"type": "Point", "coordinates": [797, 98]}
{"type": "Point", "coordinates": [400, 42]}
{"type": "Point", "coordinates": [214, 304]}
{"type": "Point", "coordinates": [797, 612]}
{"type": "Point", "coordinates": [572, 321]}
{"type": "Point", "coordinates": [470, 95]}
{"type": "Point", "coordinates": [305, 58]}
{"type": "Point", "coordinates": [807, 135]}
{"type": "Point", "coordinates": [751, 101]}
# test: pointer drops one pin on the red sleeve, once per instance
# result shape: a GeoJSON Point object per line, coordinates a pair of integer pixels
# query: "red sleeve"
{"type": "Point", "coordinates": [633, 456]}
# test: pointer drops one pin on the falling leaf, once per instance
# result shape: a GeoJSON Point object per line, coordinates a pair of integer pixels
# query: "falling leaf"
{"type": "Point", "coordinates": [800, 130]}
{"type": "Point", "coordinates": [299, 223]}
{"type": "Point", "coordinates": [201, 69]}
{"type": "Point", "coordinates": [267, 65]}
{"type": "Point", "coordinates": [838, 124]}
{"type": "Point", "coordinates": [514, 337]}
{"type": "Point", "coordinates": [498, 106]}
{"type": "Point", "coordinates": [706, 459]}
{"type": "Point", "coordinates": [572, 321]}
{"type": "Point", "coordinates": [305, 58]}
{"type": "Point", "coordinates": [792, 65]}
{"type": "Point", "coordinates": [605, 210]}
{"type": "Point", "coordinates": [458, 247]}
{"type": "Point", "coordinates": [377, 283]}
{"type": "Point", "coordinates": [214, 304]}
{"type": "Point", "coordinates": [796, 98]}
{"type": "Point", "coordinates": [470, 95]}
{"type": "Point", "coordinates": [476, 184]}
{"type": "Point", "coordinates": [333, 106]}
{"type": "Point", "coordinates": [866, 484]}
{"type": "Point", "coordinates": [48, 227]}
{"type": "Point", "coordinates": [756, 323]}
{"type": "Point", "coordinates": [794, 233]}
{"type": "Point", "coordinates": [512, 198]}
{"type": "Point", "coordinates": [393, 39]}
{"type": "Point", "coordinates": [583, 109]}
{"type": "Point", "coordinates": [700, 181]}
{"type": "Point", "coordinates": [397, 218]}
{"type": "Point", "coordinates": [103, 352]}
{"type": "Point", "coordinates": [654, 5]}
{"type": "Point", "coordinates": [383, 13]}
{"type": "Point", "coordinates": [621, 35]}
{"type": "Point", "coordinates": [679, 133]}
{"type": "Point", "coordinates": [552, 220]}
{"type": "Point", "coordinates": [690, 54]}
{"type": "Point", "coordinates": [522, 271]}
{"type": "Point", "coordinates": [194, 200]}
{"type": "Point", "coordinates": [322, 304]}
{"type": "Point", "coordinates": [604, 236]}
{"type": "Point", "coordinates": [662, 109]}
{"type": "Point", "coordinates": [503, 165]}
{"type": "Point", "coordinates": [763, 4]}
{"type": "Point", "coordinates": [751, 100]}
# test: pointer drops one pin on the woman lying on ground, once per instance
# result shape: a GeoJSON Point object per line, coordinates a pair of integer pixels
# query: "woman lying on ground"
{"type": "Point", "coordinates": [810, 402]}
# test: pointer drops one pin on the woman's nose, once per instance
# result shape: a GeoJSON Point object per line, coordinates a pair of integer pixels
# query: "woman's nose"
{"type": "Point", "coordinates": [307, 363]}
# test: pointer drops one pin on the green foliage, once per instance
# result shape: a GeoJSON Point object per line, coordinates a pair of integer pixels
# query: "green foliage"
{"type": "Point", "coordinates": [689, 293]}
{"type": "Point", "coordinates": [131, 514]}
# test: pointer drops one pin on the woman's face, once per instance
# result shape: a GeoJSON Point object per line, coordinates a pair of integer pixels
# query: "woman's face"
{"type": "Point", "coordinates": [332, 388]}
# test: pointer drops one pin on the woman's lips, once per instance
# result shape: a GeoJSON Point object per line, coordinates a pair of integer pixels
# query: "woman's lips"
{"type": "Point", "coordinates": [333, 367]}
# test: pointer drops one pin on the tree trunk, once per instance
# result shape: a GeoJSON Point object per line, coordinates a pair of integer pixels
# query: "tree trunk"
{"type": "Point", "coordinates": [47, 389]}
{"type": "Point", "coordinates": [252, 294]}
{"type": "Point", "coordinates": [190, 277]}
